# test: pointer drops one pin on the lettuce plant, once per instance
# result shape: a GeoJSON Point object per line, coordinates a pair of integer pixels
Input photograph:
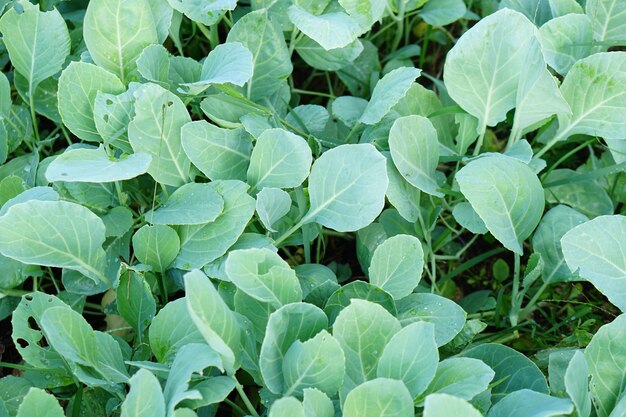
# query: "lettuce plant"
{"type": "Point", "coordinates": [268, 203]}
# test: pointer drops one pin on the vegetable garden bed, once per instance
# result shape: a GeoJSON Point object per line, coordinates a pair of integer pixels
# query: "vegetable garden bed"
{"type": "Point", "coordinates": [298, 208]}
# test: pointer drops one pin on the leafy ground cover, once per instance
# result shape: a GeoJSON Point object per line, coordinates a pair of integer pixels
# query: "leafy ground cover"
{"type": "Point", "coordinates": [299, 208]}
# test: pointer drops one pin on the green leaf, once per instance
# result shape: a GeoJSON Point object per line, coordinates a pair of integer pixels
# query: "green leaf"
{"type": "Point", "coordinates": [287, 407]}
{"type": "Point", "coordinates": [95, 166]}
{"type": "Point", "coordinates": [45, 95]}
{"type": "Point", "coordinates": [190, 204]}
{"type": "Point", "coordinates": [279, 159]}
{"type": "Point", "coordinates": [397, 265]}
{"type": "Point", "coordinates": [263, 275]}
{"type": "Point", "coordinates": [443, 12]}
{"type": "Point", "coordinates": [330, 30]}
{"type": "Point", "coordinates": [145, 398]}
{"type": "Point", "coordinates": [319, 58]}
{"type": "Point", "coordinates": [401, 194]}
{"type": "Point", "coordinates": [483, 69]}
{"type": "Point", "coordinates": [54, 233]}
{"type": "Point", "coordinates": [270, 54]}
{"type": "Point", "coordinates": [206, 12]}
{"type": "Point", "coordinates": [596, 249]}
{"type": "Point", "coordinates": [116, 32]}
{"type": "Point", "coordinates": [465, 215]}
{"type": "Point", "coordinates": [220, 154]}
{"type": "Point", "coordinates": [516, 370]}
{"type": "Point", "coordinates": [38, 403]}
{"type": "Point", "coordinates": [547, 241]}
{"type": "Point", "coordinates": [506, 194]}
{"type": "Point", "coordinates": [538, 11]}
{"type": "Point", "coordinates": [593, 90]}
{"type": "Point", "coordinates": [343, 295]}
{"type": "Point", "coordinates": [135, 301]}
{"type": "Point", "coordinates": [343, 179]}
{"type": "Point", "coordinates": [271, 205]}
{"type": "Point", "coordinates": [156, 130]}
{"type": "Point", "coordinates": [565, 40]}
{"type": "Point", "coordinates": [527, 403]}
{"type": "Point", "coordinates": [317, 363]}
{"type": "Point", "coordinates": [587, 197]}
{"type": "Point", "coordinates": [381, 397]}
{"type": "Point", "coordinates": [415, 151]}
{"type": "Point", "coordinates": [156, 246]}
{"type": "Point", "coordinates": [608, 18]}
{"type": "Point", "coordinates": [317, 404]}
{"type": "Point", "coordinates": [112, 113]}
{"type": "Point", "coordinates": [70, 335]}
{"type": "Point", "coordinates": [462, 377]}
{"type": "Point", "coordinates": [577, 384]}
{"type": "Point", "coordinates": [38, 42]}
{"type": "Point", "coordinates": [363, 329]}
{"type": "Point", "coordinates": [447, 316]}
{"type": "Point", "coordinates": [201, 244]}
{"type": "Point", "coordinates": [215, 321]}
{"type": "Point", "coordinates": [296, 321]}
{"type": "Point", "coordinates": [229, 62]}
{"type": "Point", "coordinates": [411, 356]}
{"type": "Point", "coordinates": [366, 12]}
{"type": "Point", "coordinates": [443, 405]}
{"type": "Point", "coordinates": [388, 92]}
{"type": "Point", "coordinates": [79, 85]}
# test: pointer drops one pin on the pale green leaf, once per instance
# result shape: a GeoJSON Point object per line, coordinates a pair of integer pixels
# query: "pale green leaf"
{"type": "Point", "coordinates": [70, 335]}
{"type": "Point", "coordinates": [462, 377]}
{"type": "Point", "coordinates": [381, 397]}
{"type": "Point", "coordinates": [193, 203]}
{"type": "Point", "coordinates": [443, 12]}
{"type": "Point", "coordinates": [156, 246]}
{"type": "Point", "coordinates": [317, 404]}
{"type": "Point", "coordinates": [38, 403]}
{"type": "Point", "coordinates": [330, 30]}
{"type": "Point", "coordinates": [342, 297]}
{"type": "Point", "coordinates": [444, 405]}
{"type": "Point", "coordinates": [564, 7]}
{"type": "Point", "coordinates": [401, 194]}
{"type": "Point", "coordinates": [365, 12]}
{"type": "Point", "coordinates": [271, 205]}
{"type": "Point", "coordinates": [347, 187]}
{"type": "Point", "coordinates": [116, 32]}
{"type": "Point", "coordinates": [135, 302]}
{"type": "Point", "coordinates": [162, 13]}
{"type": "Point", "coordinates": [203, 11]}
{"type": "Point", "coordinates": [287, 407]}
{"type": "Point", "coordinates": [156, 130]}
{"type": "Point", "coordinates": [145, 398]}
{"type": "Point", "coordinates": [608, 18]}
{"type": "Point", "coordinates": [577, 384]}
{"type": "Point", "coordinates": [565, 40]}
{"type": "Point", "coordinates": [112, 113]}
{"type": "Point", "coordinates": [465, 215]}
{"type": "Point", "coordinates": [528, 403]}
{"type": "Point", "coordinates": [388, 92]}
{"type": "Point", "coordinates": [597, 250]}
{"type": "Point", "coordinates": [538, 11]}
{"type": "Point", "coordinates": [95, 166]}
{"type": "Point", "coordinates": [79, 85]}
{"type": "Point", "coordinates": [335, 59]}
{"type": "Point", "coordinates": [415, 152]}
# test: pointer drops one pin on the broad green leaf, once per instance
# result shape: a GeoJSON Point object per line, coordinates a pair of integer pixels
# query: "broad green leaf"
{"type": "Point", "coordinates": [162, 13]}
{"type": "Point", "coordinates": [94, 165]}
{"type": "Point", "coordinates": [317, 404]}
{"type": "Point", "coordinates": [577, 384]}
{"type": "Point", "coordinates": [343, 295]}
{"type": "Point", "coordinates": [311, 118]}
{"type": "Point", "coordinates": [156, 246]}
{"type": "Point", "coordinates": [201, 244]}
{"type": "Point", "coordinates": [411, 356]}
{"type": "Point", "coordinates": [447, 316]}
{"type": "Point", "coordinates": [347, 187]}
{"type": "Point", "coordinates": [506, 194]}
{"type": "Point", "coordinates": [213, 390]}
{"type": "Point", "coordinates": [381, 397]}
{"type": "Point", "coordinates": [538, 11]}
{"type": "Point", "coordinates": [287, 407]}
{"type": "Point", "coordinates": [154, 65]}
{"type": "Point", "coordinates": [116, 31]}
{"type": "Point", "coordinates": [538, 95]}
{"type": "Point", "coordinates": [263, 275]}
{"type": "Point", "coordinates": [330, 30]}
{"type": "Point", "coordinates": [12, 391]}
{"type": "Point", "coordinates": [79, 85]}
{"type": "Point", "coordinates": [192, 203]}
{"type": "Point", "coordinates": [45, 95]}
{"type": "Point", "coordinates": [215, 321]}
{"type": "Point", "coordinates": [565, 40]}
{"type": "Point", "coordinates": [462, 377]}
{"type": "Point", "coordinates": [135, 301]}
{"type": "Point", "coordinates": [206, 12]}
{"type": "Point", "coordinates": [317, 363]}
{"type": "Point", "coordinates": [516, 370]}
{"type": "Point", "coordinates": [38, 403]}
{"type": "Point", "coordinates": [156, 130]}
{"type": "Point", "coordinates": [190, 359]}
{"type": "Point", "coordinates": [271, 205]}
{"type": "Point", "coordinates": [608, 18]}
{"type": "Point", "coordinates": [547, 241]}
{"type": "Point", "coordinates": [401, 194]}
{"type": "Point", "coordinates": [415, 152]}
{"type": "Point", "coordinates": [171, 329]}
{"type": "Point", "coordinates": [279, 159]}
{"type": "Point", "coordinates": [620, 408]}
{"type": "Point", "coordinates": [112, 113]}
{"type": "Point", "coordinates": [335, 59]}
{"type": "Point", "coordinates": [563, 7]}
{"type": "Point", "coordinates": [443, 405]}
{"type": "Point", "coordinates": [35, 193]}
{"type": "Point", "coordinates": [38, 42]}
{"type": "Point", "coordinates": [465, 215]}
{"type": "Point", "coordinates": [397, 265]}
{"type": "Point", "coordinates": [296, 321]}
{"type": "Point", "coordinates": [593, 89]}
{"type": "Point", "coordinates": [365, 12]}
{"type": "Point", "coordinates": [597, 250]}
{"type": "Point", "coordinates": [483, 69]}
{"type": "Point", "coordinates": [54, 233]}
{"type": "Point", "coordinates": [363, 329]}
{"type": "Point", "coordinates": [318, 282]}
{"type": "Point", "coordinates": [270, 54]}
{"type": "Point", "coordinates": [229, 62]}
{"type": "Point", "coordinates": [586, 197]}
{"type": "Point", "coordinates": [388, 92]}
{"type": "Point", "coordinates": [443, 12]}
{"type": "Point", "coordinates": [558, 362]}
{"type": "Point", "coordinates": [5, 97]}
{"type": "Point", "coordinates": [220, 154]}
{"type": "Point", "coordinates": [70, 335]}
{"type": "Point", "coordinates": [528, 403]}
{"type": "Point", "coordinates": [145, 398]}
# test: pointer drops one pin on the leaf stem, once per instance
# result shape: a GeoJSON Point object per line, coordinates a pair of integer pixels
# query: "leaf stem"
{"type": "Point", "coordinates": [33, 117]}
{"type": "Point", "coordinates": [515, 304]}
{"type": "Point", "coordinates": [245, 398]}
